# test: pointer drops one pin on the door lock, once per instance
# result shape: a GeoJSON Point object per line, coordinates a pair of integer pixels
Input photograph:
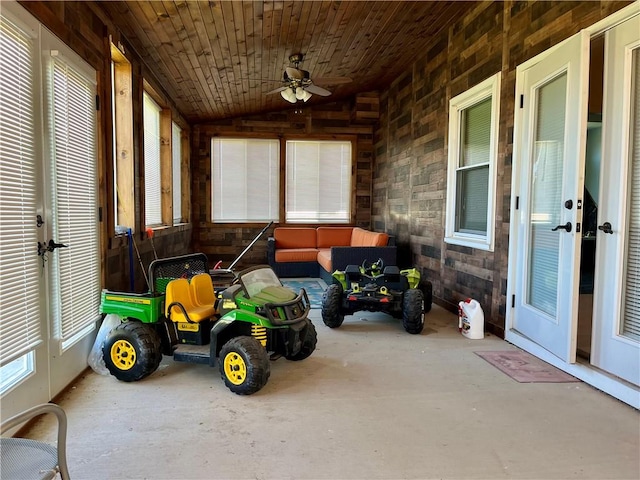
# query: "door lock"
{"type": "Point", "coordinates": [566, 227]}
{"type": "Point", "coordinates": [605, 227]}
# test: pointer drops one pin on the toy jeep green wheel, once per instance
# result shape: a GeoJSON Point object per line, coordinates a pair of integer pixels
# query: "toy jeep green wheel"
{"type": "Point", "coordinates": [132, 351]}
{"type": "Point", "coordinates": [244, 365]}
{"type": "Point", "coordinates": [413, 311]}
{"type": "Point", "coordinates": [308, 344]}
{"type": "Point", "coordinates": [331, 314]}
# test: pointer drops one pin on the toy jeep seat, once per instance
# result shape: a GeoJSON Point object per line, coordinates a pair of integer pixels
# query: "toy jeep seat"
{"type": "Point", "coordinates": [180, 305]}
{"type": "Point", "coordinates": [202, 290]}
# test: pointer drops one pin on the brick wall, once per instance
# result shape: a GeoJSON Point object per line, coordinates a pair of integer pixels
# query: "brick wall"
{"type": "Point", "coordinates": [410, 142]}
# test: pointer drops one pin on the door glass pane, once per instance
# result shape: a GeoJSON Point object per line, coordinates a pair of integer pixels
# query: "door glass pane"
{"type": "Point", "coordinates": [20, 272]}
{"type": "Point", "coordinates": [546, 195]}
{"type": "Point", "coordinates": [631, 318]}
{"type": "Point", "coordinates": [75, 269]}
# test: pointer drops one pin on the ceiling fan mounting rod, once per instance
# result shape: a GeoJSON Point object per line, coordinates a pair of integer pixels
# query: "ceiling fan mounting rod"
{"type": "Point", "coordinates": [296, 58]}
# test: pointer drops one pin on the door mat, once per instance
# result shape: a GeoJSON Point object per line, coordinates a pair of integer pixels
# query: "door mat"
{"type": "Point", "coordinates": [315, 287]}
{"type": "Point", "coordinates": [525, 368]}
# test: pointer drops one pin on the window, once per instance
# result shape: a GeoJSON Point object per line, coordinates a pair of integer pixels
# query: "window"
{"type": "Point", "coordinates": [318, 181]}
{"type": "Point", "coordinates": [245, 179]}
{"type": "Point", "coordinates": [471, 176]}
{"type": "Point", "coordinates": [176, 167]}
{"type": "Point", "coordinates": [152, 191]}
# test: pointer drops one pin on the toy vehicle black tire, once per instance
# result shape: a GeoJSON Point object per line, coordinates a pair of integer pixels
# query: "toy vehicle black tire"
{"type": "Point", "coordinates": [412, 314]}
{"type": "Point", "coordinates": [331, 315]}
{"type": "Point", "coordinates": [248, 353]}
{"type": "Point", "coordinates": [427, 293]}
{"type": "Point", "coordinates": [132, 351]}
{"type": "Point", "coordinates": [308, 344]}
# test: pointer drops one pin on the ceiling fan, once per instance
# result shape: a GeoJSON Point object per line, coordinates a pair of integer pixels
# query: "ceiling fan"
{"type": "Point", "coordinates": [298, 84]}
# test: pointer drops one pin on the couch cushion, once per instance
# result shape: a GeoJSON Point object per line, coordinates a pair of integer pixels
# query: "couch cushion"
{"type": "Point", "coordinates": [334, 237]}
{"type": "Point", "coordinates": [365, 238]}
{"type": "Point", "coordinates": [296, 255]}
{"type": "Point", "coordinates": [295, 237]}
{"type": "Point", "coordinates": [324, 259]}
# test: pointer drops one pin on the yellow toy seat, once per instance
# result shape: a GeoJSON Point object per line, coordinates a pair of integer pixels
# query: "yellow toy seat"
{"type": "Point", "coordinates": [202, 290]}
{"type": "Point", "coordinates": [180, 306]}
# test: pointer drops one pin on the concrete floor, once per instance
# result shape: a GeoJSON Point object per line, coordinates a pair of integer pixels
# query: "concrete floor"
{"type": "Point", "coordinates": [372, 402]}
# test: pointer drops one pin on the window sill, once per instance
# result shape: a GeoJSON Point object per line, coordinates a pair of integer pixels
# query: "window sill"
{"type": "Point", "coordinates": [480, 243]}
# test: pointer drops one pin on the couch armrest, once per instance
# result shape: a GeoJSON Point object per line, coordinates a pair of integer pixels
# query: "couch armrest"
{"type": "Point", "coordinates": [343, 256]}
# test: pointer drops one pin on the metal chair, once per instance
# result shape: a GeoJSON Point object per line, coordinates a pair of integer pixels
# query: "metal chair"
{"type": "Point", "coordinates": [22, 458]}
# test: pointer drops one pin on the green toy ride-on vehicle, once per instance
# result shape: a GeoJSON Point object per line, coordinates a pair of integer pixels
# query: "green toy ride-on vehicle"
{"type": "Point", "coordinates": [376, 288]}
{"type": "Point", "coordinates": [240, 327]}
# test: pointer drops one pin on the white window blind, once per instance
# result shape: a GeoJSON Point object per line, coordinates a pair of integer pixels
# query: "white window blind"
{"type": "Point", "coordinates": [176, 161]}
{"type": "Point", "coordinates": [318, 181]}
{"type": "Point", "coordinates": [245, 179]}
{"type": "Point", "coordinates": [20, 273]}
{"type": "Point", "coordinates": [152, 186]}
{"type": "Point", "coordinates": [75, 270]}
{"type": "Point", "coordinates": [631, 319]}
{"type": "Point", "coordinates": [546, 196]}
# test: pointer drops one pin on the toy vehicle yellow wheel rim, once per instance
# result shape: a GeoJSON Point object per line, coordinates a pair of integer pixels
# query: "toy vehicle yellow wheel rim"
{"type": "Point", "coordinates": [123, 355]}
{"type": "Point", "coordinates": [234, 368]}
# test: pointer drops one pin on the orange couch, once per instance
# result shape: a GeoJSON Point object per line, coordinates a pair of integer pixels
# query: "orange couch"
{"type": "Point", "coordinates": [313, 252]}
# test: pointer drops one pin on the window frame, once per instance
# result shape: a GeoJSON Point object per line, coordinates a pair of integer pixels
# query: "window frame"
{"type": "Point", "coordinates": [176, 172]}
{"type": "Point", "coordinates": [349, 188]}
{"type": "Point", "coordinates": [122, 142]}
{"type": "Point", "coordinates": [157, 167]}
{"type": "Point", "coordinates": [489, 88]}
{"type": "Point", "coordinates": [278, 179]}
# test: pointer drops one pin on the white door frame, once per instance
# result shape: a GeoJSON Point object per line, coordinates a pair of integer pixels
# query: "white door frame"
{"type": "Point", "coordinates": [585, 372]}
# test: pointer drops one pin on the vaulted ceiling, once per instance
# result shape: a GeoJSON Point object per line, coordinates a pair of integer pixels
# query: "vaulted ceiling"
{"type": "Point", "coordinates": [219, 59]}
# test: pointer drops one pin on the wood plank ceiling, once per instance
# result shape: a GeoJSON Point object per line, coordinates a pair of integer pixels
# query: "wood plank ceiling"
{"type": "Point", "coordinates": [219, 59]}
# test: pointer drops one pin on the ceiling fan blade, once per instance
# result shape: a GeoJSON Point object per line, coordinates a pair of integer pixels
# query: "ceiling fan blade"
{"type": "Point", "coordinates": [279, 89]}
{"type": "Point", "coordinates": [316, 90]}
{"type": "Point", "coordinates": [294, 73]}
{"type": "Point", "coordinates": [332, 80]}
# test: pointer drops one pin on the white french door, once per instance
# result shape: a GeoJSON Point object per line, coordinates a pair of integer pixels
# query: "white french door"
{"type": "Point", "coordinates": [549, 149]}
{"type": "Point", "coordinates": [616, 327]}
{"type": "Point", "coordinates": [49, 241]}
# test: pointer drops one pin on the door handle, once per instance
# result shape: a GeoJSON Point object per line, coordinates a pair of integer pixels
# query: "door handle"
{"type": "Point", "coordinates": [566, 226]}
{"type": "Point", "coordinates": [605, 227]}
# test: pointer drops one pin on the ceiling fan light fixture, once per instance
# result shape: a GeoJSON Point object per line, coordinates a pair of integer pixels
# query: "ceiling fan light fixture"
{"type": "Point", "coordinates": [302, 94]}
{"type": "Point", "coordinates": [288, 95]}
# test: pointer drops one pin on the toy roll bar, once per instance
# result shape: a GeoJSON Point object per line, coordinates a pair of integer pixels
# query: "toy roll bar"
{"type": "Point", "coordinates": [250, 245]}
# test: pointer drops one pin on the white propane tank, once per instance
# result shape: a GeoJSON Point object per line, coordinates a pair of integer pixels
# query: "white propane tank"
{"type": "Point", "coordinates": [471, 319]}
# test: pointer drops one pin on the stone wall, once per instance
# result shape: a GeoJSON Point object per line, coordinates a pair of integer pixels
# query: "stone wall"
{"type": "Point", "coordinates": [411, 141]}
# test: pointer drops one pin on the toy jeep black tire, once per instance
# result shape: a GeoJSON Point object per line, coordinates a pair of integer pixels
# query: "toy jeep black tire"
{"type": "Point", "coordinates": [308, 344]}
{"type": "Point", "coordinates": [412, 311]}
{"type": "Point", "coordinates": [244, 365]}
{"type": "Point", "coordinates": [427, 293]}
{"type": "Point", "coordinates": [132, 351]}
{"type": "Point", "coordinates": [331, 306]}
